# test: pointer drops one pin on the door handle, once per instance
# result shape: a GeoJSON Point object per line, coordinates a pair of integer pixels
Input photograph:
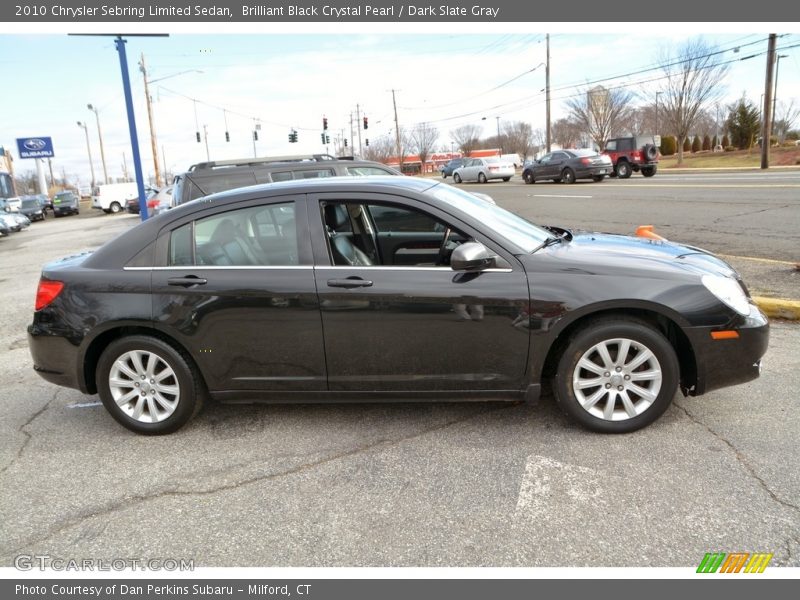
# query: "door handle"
{"type": "Point", "coordinates": [350, 282]}
{"type": "Point", "coordinates": [187, 281]}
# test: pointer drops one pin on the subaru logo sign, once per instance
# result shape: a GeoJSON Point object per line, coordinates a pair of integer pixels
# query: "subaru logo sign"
{"type": "Point", "coordinates": [35, 147]}
{"type": "Point", "coordinates": [35, 144]}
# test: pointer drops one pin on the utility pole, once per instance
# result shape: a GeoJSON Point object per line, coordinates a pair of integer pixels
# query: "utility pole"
{"type": "Point", "coordinates": [205, 137]}
{"type": "Point", "coordinates": [766, 127]}
{"type": "Point", "coordinates": [657, 95]}
{"type": "Point", "coordinates": [499, 142]}
{"type": "Point", "coordinates": [164, 162]}
{"type": "Point", "coordinates": [52, 179]}
{"type": "Point", "coordinates": [153, 143]}
{"type": "Point", "coordinates": [100, 136]}
{"type": "Point", "coordinates": [124, 167]}
{"type": "Point", "coordinates": [352, 137]}
{"type": "Point", "coordinates": [358, 125]}
{"type": "Point", "coordinates": [85, 128]}
{"type": "Point", "coordinates": [397, 132]}
{"type": "Point", "coordinates": [547, 92]}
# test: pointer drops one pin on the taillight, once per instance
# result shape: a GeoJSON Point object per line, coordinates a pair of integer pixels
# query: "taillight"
{"type": "Point", "coordinates": [47, 292]}
{"type": "Point", "coordinates": [636, 155]}
{"type": "Point", "coordinates": [586, 161]}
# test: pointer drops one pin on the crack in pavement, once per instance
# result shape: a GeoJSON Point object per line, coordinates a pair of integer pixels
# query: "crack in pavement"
{"type": "Point", "coordinates": [741, 459]}
{"type": "Point", "coordinates": [21, 429]}
{"type": "Point", "coordinates": [130, 501]}
{"type": "Point", "coordinates": [751, 212]}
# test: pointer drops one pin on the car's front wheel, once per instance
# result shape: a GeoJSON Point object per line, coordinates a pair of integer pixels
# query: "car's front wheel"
{"type": "Point", "coordinates": [527, 176]}
{"type": "Point", "coordinates": [616, 375]}
{"type": "Point", "coordinates": [115, 207]}
{"type": "Point", "coordinates": [568, 175]}
{"type": "Point", "coordinates": [456, 178]}
{"type": "Point", "coordinates": [147, 385]}
{"type": "Point", "coordinates": [481, 178]}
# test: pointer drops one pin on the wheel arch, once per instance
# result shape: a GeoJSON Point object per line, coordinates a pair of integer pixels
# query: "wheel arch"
{"type": "Point", "coordinates": [659, 320]}
{"type": "Point", "coordinates": [100, 342]}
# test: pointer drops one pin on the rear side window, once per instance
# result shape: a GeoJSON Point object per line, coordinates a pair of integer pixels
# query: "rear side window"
{"type": "Point", "coordinates": [370, 171]}
{"type": "Point", "coordinates": [255, 236]}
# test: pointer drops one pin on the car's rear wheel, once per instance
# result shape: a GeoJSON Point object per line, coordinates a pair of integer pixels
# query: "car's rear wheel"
{"type": "Point", "coordinates": [598, 178]}
{"type": "Point", "coordinates": [568, 175]}
{"type": "Point", "coordinates": [527, 176]}
{"type": "Point", "coordinates": [456, 178]}
{"type": "Point", "coordinates": [481, 178]}
{"type": "Point", "coordinates": [616, 375]}
{"type": "Point", "coordinates": [623, 169]}
{"type": "Point", "coordinates": [115, 207]}
{"type": "Point", "coordinates": [649, 171]}
{"type": "Point", "coordinates": [147, 385]}
{"type": "Point", "coordinates": [506, 178]}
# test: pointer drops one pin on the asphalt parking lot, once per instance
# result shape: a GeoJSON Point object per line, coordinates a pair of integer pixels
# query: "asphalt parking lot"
{"type": "Point", "coordinates": [416, 484]}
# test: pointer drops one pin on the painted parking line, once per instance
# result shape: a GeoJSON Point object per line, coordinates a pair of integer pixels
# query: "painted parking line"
{"type": "Point", "coordinates": [558, 196]}
{"type": "Point", "coordinates": [549, 487]}
{"type": "Point", "coordinates": [772, 261]}
{"type": "Point", "coordinates": [699, 185]}
{"type": "Point", "coordinates": [85, 404]}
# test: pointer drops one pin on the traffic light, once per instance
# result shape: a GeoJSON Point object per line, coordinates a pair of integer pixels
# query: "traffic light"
{"type": "Point", "coordinates": [345, 143]}
{"type": "Point", "coordinates": [197, 133]}
{"type": "Point", "coordinates": [327, 139]}
{"type": "Point", "coordinates": [227, 137]}
{"type": "Point", "coordinates": [325, 123]}
{"type": "Point", "coordinates": [366, 123]}
{"type": "Point", "coordinates": [292, 136]}
{"type": "Point", "coordinates": [368, 142]}
{"type": "Point", "coordinates": [255, 135]}
{"type": "Point", "coordinates": [322, 135]}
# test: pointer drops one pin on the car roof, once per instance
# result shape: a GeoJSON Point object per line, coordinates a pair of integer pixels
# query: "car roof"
{"type": "Point", "coordinates": [213, 169]}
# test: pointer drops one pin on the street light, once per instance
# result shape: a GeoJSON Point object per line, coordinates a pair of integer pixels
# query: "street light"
{"type": "Point", "coordinates": [775, 92]}
{"type": "Point", "coordinates": [100, 136]}
{"type": "Point", "coordinates": [88, 150]}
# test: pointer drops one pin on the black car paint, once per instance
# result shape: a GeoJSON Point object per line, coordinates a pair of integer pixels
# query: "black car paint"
{"type": "Point", "coordinates": [260, 337]}
{"type": "Point", "coordinates": [538, 171]}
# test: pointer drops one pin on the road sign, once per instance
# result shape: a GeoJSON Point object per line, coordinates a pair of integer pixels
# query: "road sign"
{"type": "Point", "coordinates": [35, 147]}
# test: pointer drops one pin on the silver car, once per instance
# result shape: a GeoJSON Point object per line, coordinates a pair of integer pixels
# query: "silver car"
{"type": "Point", "coordinates": [484, 169]}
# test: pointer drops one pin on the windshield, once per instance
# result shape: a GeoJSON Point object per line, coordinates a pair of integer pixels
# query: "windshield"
{"type": "Point", "coordinates": [517, 230]}
{"type": "Point", "coordinates": [6, 189]}
{"type": "Point", "coordinates": [30, 204]}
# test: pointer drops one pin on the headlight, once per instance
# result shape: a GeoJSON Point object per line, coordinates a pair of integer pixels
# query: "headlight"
{"type": "Point", "coordinates": [728, 291]}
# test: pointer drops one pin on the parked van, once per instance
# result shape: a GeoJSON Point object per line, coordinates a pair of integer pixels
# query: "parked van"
{"type": "Point", "coordinates": [111, 197]}
{"type": "Point", "coordinates": [514, 159]}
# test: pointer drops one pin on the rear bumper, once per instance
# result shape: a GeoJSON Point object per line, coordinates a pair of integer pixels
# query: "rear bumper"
{"type": "Point", "coordinates": [593, 171]}
{"type": "Point", "coordinates": [54, 358]}
{"type": "Point", "coordinates": [727, 362]}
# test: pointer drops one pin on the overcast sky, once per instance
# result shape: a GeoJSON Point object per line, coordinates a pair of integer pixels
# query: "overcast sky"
{"type": "Point", "coordinates": [292, 80]}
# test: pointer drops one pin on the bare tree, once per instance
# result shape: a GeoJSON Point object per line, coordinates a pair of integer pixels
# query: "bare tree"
{"type": "Point", "coordinates": [601, 112]}
{"type": "Point", "coordinates": [785, 117]}
{"type": "Point", "coordinates": [518, 138]}
{"type": "Point", "coordinates": [424, 138]}
{"type": "Point", "coordinates": [467, 138]}
{"type": "Point", "coordinates": [380, 149]}
{"type": "Point", "coordinates": [566, 133]}
{"type": "Point", "coordinates": [692, 83]}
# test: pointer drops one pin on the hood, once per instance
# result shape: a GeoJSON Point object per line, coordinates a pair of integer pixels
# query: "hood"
{"type": "Point", "coordinates": [597, 252]}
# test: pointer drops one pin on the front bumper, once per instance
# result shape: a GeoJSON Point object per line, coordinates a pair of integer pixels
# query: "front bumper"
{"type": "Point", "coordinates": [726, 362]}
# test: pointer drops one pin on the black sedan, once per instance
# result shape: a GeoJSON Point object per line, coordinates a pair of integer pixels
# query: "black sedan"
{"type": "Point", "coordinates": [34, 207]}
{"type": "Point", "coordinates": [568, 166]}
{"type": "Point", "coordinates": [379, 289]}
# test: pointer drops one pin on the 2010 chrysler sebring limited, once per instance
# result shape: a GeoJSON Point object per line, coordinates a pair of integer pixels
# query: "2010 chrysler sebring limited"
{"type": "Point", "coordinates": [387, 289]}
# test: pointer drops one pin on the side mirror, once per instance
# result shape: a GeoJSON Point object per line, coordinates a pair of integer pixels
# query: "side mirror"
{"type": "Point", "coordinates": [471, 256]}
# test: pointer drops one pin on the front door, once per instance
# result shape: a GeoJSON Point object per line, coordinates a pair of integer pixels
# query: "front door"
{"type": "Point", "coordinates": [396, 317]}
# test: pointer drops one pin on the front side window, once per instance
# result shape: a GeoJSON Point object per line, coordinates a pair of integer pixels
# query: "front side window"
{"type": "Point", "coordinates": [255, 236]}
{"type": "Point", "coordinates": [611, 146]}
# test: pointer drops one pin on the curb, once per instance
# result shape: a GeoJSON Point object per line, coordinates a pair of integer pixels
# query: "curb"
{"type": "Point", "coordinates": [779, 308]}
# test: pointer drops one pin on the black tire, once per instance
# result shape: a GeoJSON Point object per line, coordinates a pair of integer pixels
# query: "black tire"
{"type": "Point", "coordinates": [580, 346]}
{"type": "Point", "coordinates": [649, 171]}
{"type": "Point", "coordinates": [650, 152]}
{"type": "Point", "coordinates": [115, 207]}
{"type": "Point", "coordinates": [527, 177]}
{"type": "Point", "coordinates": [190, 385]}
{"type": "Point", "coordinates": [623, 169]}
{"type": "Point", "coordinates": [481, 178]}
{"type": "Point", "coordinates": [456, 178]}
{"type": "Point", "coordinates": [557, 180]}
{"type": "Point", "coordinates": [506, 178]}
{"type": "Point", "coordinates": [598, 178]}
{"type": "Point", "coordinates": [568, 176]}
{"type": "Point", "coordinates": [444, 175]}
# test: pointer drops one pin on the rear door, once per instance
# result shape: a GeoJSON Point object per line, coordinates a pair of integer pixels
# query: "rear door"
{"type": "Point", "coordinates": [236, 287]}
